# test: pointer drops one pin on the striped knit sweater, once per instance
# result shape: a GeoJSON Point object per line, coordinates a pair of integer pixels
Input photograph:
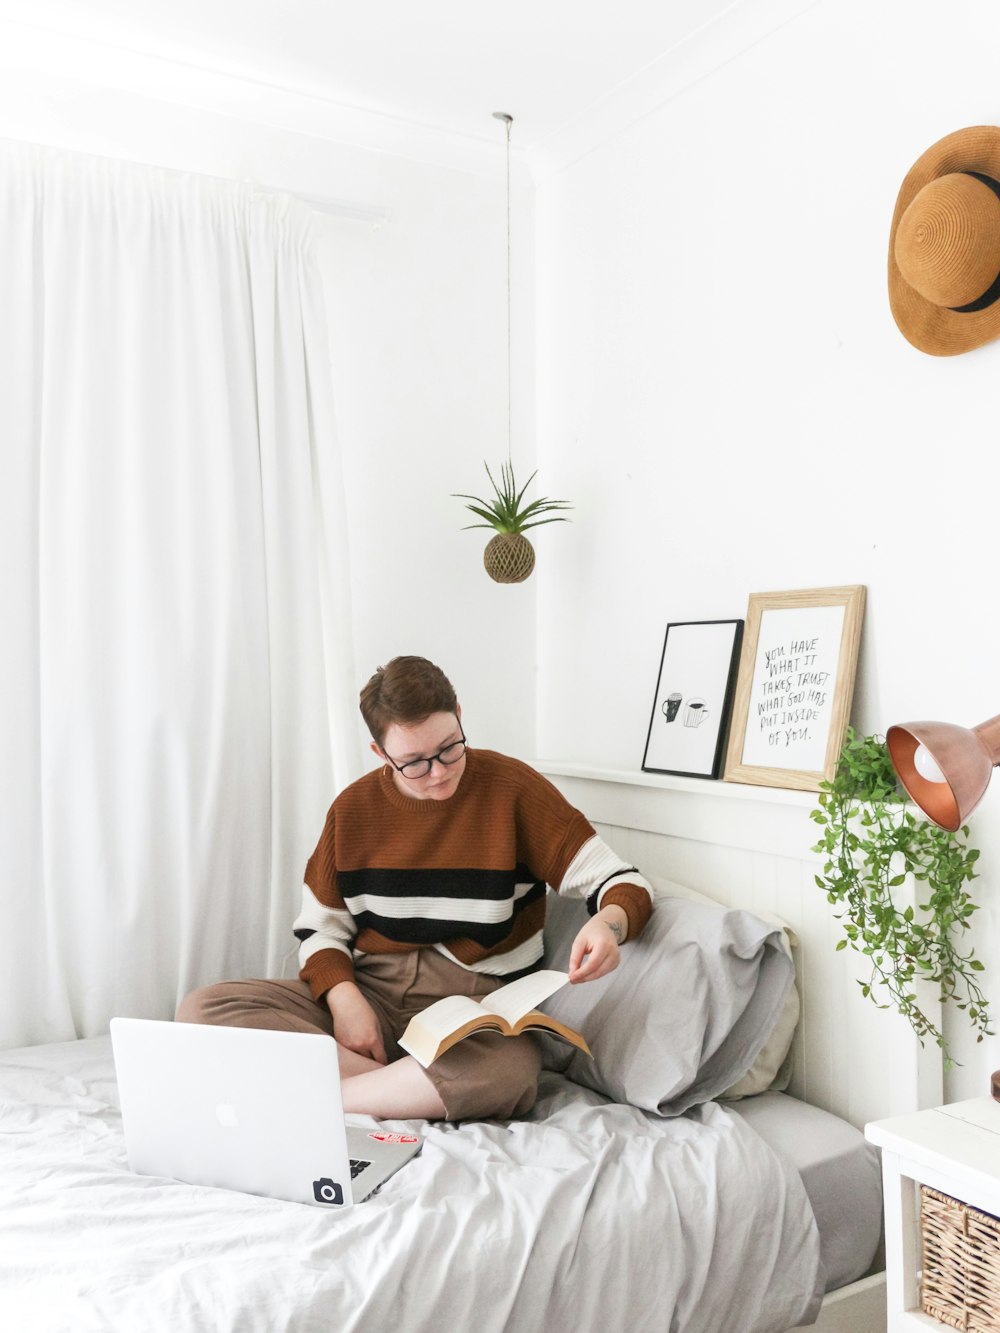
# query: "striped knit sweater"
{"type": "Point", "coordinates": [466, 876]}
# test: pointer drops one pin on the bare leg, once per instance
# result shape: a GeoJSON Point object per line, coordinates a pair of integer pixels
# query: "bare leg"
{"type": "Point", "coordinates": [351, 1063]}
{"type": "Point", "coordinates": [400, 1091]}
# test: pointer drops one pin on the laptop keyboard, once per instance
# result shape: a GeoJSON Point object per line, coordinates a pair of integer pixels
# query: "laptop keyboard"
{"type": "Point", "coordinates": [357, 1167]}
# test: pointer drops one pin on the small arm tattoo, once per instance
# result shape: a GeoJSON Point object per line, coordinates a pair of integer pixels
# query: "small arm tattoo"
{"type": "Point", "coordinates": [616, 930]}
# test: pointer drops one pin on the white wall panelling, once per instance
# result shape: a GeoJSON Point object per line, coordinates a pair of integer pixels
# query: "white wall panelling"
{"type": "Point", "coordinates": [749, 848]}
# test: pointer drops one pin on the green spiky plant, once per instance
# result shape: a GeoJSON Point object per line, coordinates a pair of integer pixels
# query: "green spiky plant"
{"type": "Point", "coordinates": [509, 557]}
{"type": "Point", "coordinates": [872, 842]}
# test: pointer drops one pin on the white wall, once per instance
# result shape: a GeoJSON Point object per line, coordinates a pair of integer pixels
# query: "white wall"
{"type": "Point", "coordinates": [418, 327]}
{"type": "Point", "coordinates": [721, 389]}
{"type": "Point", "coordinates": [724, 393]}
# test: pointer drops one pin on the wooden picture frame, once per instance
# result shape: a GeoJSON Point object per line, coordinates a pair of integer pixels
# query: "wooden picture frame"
{"type": "Point", "coordinates": [795, 686]}
{"type": "Point", "coordinates": [694, 698]}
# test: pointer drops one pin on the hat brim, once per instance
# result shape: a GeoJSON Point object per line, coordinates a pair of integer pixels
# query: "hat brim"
{"type": "Point", "coordinates": [932, 328]}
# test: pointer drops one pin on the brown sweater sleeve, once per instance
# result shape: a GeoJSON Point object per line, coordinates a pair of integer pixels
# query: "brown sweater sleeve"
{"type": "Point", "coordinates": [634, 901]}
{"type": "Point", "coordinates": [324, 927]}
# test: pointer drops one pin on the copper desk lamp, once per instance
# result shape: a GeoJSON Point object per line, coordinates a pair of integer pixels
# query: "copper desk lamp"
{"type": "Point", "coordinates": [944, 768]}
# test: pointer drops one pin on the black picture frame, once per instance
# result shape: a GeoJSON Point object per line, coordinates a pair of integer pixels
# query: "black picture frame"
{"type": "Point", "coordinates": [694, 695]}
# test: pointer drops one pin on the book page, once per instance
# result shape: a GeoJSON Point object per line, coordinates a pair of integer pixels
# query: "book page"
{"type": "Point", "coordinates": [519, 997]}
{"type": "Point", "coordinates": [444, 1016]}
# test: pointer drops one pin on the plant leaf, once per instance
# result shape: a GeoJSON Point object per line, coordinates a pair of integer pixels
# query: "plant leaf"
{"type": "Point", "coordinates": [507, 512]}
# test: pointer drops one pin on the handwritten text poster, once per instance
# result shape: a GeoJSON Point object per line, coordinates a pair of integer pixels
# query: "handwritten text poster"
{"type": "Point", "coordinates": [791, 694]}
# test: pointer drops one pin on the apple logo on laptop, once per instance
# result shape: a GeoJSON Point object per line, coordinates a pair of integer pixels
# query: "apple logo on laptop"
{"type": "Point", "coordinates": [226, 1115]}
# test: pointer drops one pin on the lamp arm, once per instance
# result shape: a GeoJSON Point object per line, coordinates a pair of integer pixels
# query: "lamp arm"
{"type": "Point", "coordinates": [988, 735]}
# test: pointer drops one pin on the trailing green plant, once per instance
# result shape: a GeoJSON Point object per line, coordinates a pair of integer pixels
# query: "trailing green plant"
{"type": "Point", "coordinates": [504, 512]}
{"type": "Point", "coordinates": [872, 842]}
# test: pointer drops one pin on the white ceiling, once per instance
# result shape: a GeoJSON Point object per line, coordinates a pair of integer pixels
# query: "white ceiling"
{"type": "Point", "coordinates": [443, 66]}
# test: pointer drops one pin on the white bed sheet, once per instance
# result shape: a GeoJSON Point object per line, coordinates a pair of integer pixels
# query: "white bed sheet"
{"type": "Point", "coordinates": [587, 1215]}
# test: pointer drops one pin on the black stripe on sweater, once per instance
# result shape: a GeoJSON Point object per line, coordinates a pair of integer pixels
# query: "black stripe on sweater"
{"type": "Point", "coordinates": [439, 930]}
{"type": "Point", "coordinates": [616, 874]}
{"type": "Point", "coordinates": [482, 885]}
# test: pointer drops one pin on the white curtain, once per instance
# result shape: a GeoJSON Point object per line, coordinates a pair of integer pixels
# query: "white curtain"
{"type": "Point", "coordinates": [177, 689]}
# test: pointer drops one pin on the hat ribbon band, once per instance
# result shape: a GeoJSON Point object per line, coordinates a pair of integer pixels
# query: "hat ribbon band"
{"type": "Point", "coordinates": [992, 292]}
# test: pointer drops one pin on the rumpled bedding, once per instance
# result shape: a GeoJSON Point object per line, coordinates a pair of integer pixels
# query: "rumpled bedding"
{"type": "Point", "coordinates": [588, 1214]}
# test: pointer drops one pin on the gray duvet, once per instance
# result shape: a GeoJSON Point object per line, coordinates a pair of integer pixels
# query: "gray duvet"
{"type": "Point", "coordinates": [590, 1215]}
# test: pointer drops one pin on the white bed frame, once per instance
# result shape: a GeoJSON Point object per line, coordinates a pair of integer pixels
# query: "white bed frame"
{"type": "Point", "coordinates": [751, 847]}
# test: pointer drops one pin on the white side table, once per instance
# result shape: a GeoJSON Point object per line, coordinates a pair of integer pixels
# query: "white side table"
{"type": "Point", "coordinates": [954, 1149]}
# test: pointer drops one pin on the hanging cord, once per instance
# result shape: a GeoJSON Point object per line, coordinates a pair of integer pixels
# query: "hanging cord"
{"type": "Point", "coordinates": [508, 121]}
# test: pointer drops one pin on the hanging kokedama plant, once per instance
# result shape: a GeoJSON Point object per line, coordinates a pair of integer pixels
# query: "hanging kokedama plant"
{"type": "Point", "coordinates": [510, 557]}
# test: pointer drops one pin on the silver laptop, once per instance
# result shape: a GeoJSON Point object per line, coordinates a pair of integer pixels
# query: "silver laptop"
{"type": "Point", "coordinates": [248, 1110]}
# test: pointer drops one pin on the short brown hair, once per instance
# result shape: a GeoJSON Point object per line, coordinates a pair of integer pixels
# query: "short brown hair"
{"type": "Point", "coordinates": [405, 691]}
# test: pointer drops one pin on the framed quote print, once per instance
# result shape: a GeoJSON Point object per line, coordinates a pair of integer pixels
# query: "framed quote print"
{"type": "Point", "coordinates": [795, 686]}
{"type": "Point", "coordinates": [694, 694]}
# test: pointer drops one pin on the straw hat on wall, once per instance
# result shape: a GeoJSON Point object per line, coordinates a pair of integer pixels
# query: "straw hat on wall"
{"type": "Point", "coordinates": [944, 245]}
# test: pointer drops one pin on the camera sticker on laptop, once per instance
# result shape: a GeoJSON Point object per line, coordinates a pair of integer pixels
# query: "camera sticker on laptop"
{"type": "Point", "coordinates": [326, 1190]}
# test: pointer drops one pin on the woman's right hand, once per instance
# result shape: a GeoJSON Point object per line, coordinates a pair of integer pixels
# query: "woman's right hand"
{"type": "Point", "coordinates": [355, 1024]}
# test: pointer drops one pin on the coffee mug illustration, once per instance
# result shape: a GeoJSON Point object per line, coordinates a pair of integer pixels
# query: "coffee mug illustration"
{"type": "Point", "coordinates": [671, 706]}
{"type": "Point", "coordinates": [695, 713]}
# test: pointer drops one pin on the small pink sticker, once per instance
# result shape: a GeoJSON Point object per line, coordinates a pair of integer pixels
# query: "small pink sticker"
{"type": "Point", "coordinates": [382, 1137]}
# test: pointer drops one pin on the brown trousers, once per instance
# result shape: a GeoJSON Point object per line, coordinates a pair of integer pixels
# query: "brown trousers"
{"type": "Point", "coordinates": [484, 1076]}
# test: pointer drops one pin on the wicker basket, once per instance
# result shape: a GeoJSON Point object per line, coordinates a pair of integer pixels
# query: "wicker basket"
{"type": "Point", "coordinates": [960, 1282]}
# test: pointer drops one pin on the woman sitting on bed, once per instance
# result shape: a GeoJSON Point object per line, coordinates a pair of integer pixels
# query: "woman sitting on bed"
{"type": "Point", "coordinates": [429, 880]}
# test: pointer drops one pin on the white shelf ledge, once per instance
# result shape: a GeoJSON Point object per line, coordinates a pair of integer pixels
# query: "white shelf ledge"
{"type": "Point", "coordinates": [771, 820]}
{"type": "Point", "coordinates": [708, 787]}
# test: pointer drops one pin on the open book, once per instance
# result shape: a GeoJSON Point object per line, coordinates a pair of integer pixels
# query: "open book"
{"type": "Point", "coordinates": [510, 1010]}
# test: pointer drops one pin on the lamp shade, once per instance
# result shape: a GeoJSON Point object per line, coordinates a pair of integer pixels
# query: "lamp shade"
{"type": "Point", "coordinates": [963, 757]}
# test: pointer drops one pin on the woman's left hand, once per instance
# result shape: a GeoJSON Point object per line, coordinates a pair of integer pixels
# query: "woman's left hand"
{"type": "Point", "coordinates": [595, 950]}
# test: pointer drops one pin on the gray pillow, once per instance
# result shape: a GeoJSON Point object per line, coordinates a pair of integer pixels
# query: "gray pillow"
{"type": "Point", "coordinates": [686, 1013]}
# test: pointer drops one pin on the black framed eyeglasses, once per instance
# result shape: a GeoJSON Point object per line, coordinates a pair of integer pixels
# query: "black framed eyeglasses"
{"type": "Point", "coordinates": [419, 768]}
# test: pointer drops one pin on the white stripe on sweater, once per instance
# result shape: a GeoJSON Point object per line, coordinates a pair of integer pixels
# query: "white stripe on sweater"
{"type": "Point", "coordinates": [437, 909]}
{"type": "Point", "coordinates": [593, 863]}
{"type": "Point", "coordinates": [515, 960]}
{"type": "Point", "coordinates": [316, 944]}
{"type": "Point", "coordinates": [334, 928]}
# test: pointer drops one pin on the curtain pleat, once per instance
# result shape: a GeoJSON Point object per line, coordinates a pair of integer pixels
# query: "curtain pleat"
{"type": "Point", "coordinates": [171, 587]}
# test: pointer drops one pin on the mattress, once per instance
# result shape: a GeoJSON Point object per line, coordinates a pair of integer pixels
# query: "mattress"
{"type": "Point", "coordinates": [587, 1213]}
{"type": "Point", "coordinates": [841, 1173]}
